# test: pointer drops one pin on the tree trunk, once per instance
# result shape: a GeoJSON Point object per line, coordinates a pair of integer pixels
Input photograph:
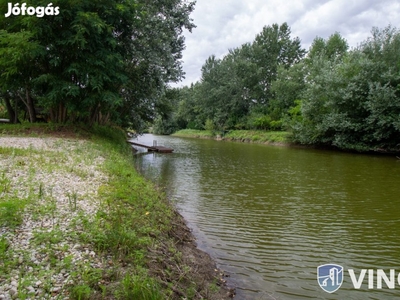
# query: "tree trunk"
{"type": "Point", "coordinates": [64, 113]}
{"type": "Point", "coordinates": [16, 111]}
{"type": "Point", "coordinates": [28, 101]}
{"type": "Point", "coordinates": [12, 114]}
{"type": "Point", "coordinates": [94, 115]}
{"type": "Point", "coordinates": [31, 107]}
{"type": "Point", "coordinates": [58, 114]}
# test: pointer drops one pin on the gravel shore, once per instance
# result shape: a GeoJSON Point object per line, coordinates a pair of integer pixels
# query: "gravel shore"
{"type": "Point", "coordinates": [77, 222]}
{"type": "Point", "coordinates": [56, 181]}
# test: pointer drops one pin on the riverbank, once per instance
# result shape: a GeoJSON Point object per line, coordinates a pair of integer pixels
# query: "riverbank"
{"type": "Point", "coordinates": [78, 222]}
{"type": "Point", "coordinates": [280, 138]}
{"type": "Point", "coordinates": [249, 136]}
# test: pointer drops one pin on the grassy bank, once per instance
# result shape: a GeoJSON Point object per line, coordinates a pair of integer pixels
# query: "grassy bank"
{"type": "Point", "coordinates": [193, 133]}
{"type": "Point", "coordinates": [254, 136]}
{"type": "Point", "coordinates": [78, 222]}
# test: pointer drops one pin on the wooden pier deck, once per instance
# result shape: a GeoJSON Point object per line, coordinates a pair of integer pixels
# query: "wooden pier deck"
{"type": "Point", "coordinates": [160, 149]}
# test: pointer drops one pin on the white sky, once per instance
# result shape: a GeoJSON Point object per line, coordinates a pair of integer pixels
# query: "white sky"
{"type": "Point", "coordinates": [227, 24]}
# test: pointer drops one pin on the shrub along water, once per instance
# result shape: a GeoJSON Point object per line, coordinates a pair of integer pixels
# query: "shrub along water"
{"type": "Point", "coordinates": [254, 136]}
{"type": "Point", "coordinates": [331, 97]}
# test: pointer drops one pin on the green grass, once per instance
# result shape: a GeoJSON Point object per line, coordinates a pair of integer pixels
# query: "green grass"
{"type": "Point", "coordinates": [4, 244]}
{"type": "Point", "coordinates": [138, 286]}
{"type": "Point", "coordinates": [258, 136]}
{"type": "Point", "coordinates": [11, 211]}
{"type": "Point", "coordinates": [255, 136]}
{"type": "Point", "coordinates": [46, 129]}
{"type": "Point", "coordinates": [194, 133]}
{"type": "Point", "coordinates": [132, 217]}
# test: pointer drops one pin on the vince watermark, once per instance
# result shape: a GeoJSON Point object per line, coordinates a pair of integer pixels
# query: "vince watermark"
{"type": "Point", "coordinates": [40, 11]}
{"type": "Point", "coordinates": [330, 278]}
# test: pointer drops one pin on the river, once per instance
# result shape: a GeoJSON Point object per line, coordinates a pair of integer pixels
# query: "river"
{"type": "Point", "coordinates": [270, 215]}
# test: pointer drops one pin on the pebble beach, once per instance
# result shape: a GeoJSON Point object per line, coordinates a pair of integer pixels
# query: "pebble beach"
{"type": "Point", "coordinates": [59, 180]}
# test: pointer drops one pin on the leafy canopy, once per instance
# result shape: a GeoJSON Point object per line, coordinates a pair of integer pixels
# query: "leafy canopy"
{"type": "Point", "coordinates": [95, 61]}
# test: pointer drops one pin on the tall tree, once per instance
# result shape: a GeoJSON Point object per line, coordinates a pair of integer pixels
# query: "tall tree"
{"type": "Point", "coordinates": [241, 81]}
{"type": "Point", "coordinates": [273, 47]}
{"type": "Point", "coordinates": [332, 48]}
{"type": "Point", "coordinates": [354, 102]}
{"type": "Point", "coordinates": [96, 60]}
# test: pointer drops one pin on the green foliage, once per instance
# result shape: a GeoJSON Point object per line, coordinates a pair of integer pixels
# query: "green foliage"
{"type": "Point", "coordinates": [231, 87]}
{"type": "Point", "coordinates": [209, 125]}
{"type": "Point", "coordinates": [353, 101]}
{"type": "Point", "coordinates": [259, 136]}
{"type": "Point", "coordinates": [288, 86]}
{"type": "Point", "coordinates": [174, 111]}
{"type": "Point", "coordinates": [333, 48]}
{"type": "Point", "coordinates": [48, 237]}
{"type": "Point", "coordinates": [131, 224]}
{"type": "Point", "coordinates": [112, 134]}
{"type": "Point", "coordinates": [138, 286]}
{"type": "Point", "coordinates": [273, 47]}
{"type": "Point", "coordinates": [193, 125]}
{"type": "Point", "coordinates": [4, 245]}
{"type": "Point", "coordinates": [131, 206]}
{"type": "Point", "coordinates": [333, 96]}
{"type": "Point", "coordinates": [194, 133]}
{"type": "Point", "coordinates": [11, 211]}
{"type": "Point", "coordinates": [3, 111]}
{"type": "Point", "coordinates": [81, 292]}
{"type": "Point", "coordinates": [97, 61]}
{"type": "Point", "coordinates": [276, 125]}
{"type": "Point", "coordinates": [5, 184]}
{"type": "Point", "coordinates": [259, 121]}
{"type": "Point", "coordinates": [262, 121]}
{"type": "Point", "coordinates": [164, 126]}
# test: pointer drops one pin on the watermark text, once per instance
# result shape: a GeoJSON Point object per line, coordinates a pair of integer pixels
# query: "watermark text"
{"type": "Point", "coordinates": [40, 11]}
{"type": "Point", "coordinates": [330, 278]}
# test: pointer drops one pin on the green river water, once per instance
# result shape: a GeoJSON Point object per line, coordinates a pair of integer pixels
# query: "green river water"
{"type": "Point", "coordinates": [271, 215]}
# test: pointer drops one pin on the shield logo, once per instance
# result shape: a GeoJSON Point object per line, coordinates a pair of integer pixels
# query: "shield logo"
{"type": "Point", "coordinates": [330, 277]}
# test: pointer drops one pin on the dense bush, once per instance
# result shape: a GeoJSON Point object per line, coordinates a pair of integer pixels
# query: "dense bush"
{"type": "Point", "coordinates": [354, 102]}
{"type": "Point", "coordinates": [333, 96]}
{"type": "Point", "coordinates": [95, 62]}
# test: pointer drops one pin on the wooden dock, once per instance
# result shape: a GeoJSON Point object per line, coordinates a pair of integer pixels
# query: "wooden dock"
{"type": "Point", "coordinates": [153, 148]}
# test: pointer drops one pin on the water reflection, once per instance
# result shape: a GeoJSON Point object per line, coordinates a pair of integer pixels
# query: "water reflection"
{"type": "Point", "coordinates": [271, 215]}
